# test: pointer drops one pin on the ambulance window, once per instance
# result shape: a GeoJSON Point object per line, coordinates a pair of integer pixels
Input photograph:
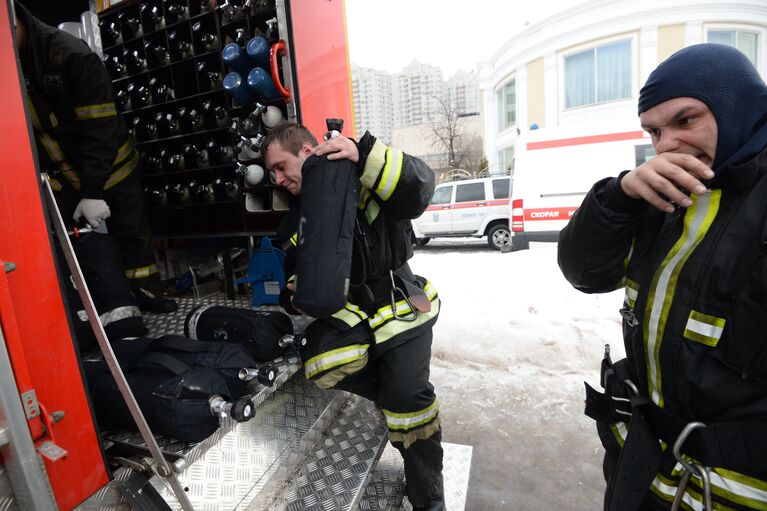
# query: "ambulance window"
{"type": "Point", "coordinates": [501, 188]}
{"type": "Point", "coordinates": [470, 192]}
{"type": "Point", "coordinates": [442, 195]}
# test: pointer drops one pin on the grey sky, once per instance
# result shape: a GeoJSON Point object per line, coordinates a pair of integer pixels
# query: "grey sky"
{"type": "Point", "coordinates": [451, 34]}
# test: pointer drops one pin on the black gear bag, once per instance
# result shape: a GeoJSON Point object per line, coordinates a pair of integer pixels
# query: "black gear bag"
{"type": "Point", "coordinates": [259, 331]}
{"type": "Point", "coordinates": [329, 195]}
{"type": "Point", "coordinates": [172, 379]}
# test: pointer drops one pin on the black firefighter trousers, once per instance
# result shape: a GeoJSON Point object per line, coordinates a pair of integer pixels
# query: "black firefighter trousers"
{"type": "Point", "coordinates": [128, 224]}
{"type": "Point", "coordinates": [397, 380]}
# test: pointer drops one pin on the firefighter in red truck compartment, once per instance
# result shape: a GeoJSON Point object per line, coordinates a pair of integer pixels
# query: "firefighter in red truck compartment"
{"type": "Point", "coordinates": [684, 416]}
{"type": "Point", "coordinates": [366, 348]}
{"type": "Point", "coordinates": [84, 146]}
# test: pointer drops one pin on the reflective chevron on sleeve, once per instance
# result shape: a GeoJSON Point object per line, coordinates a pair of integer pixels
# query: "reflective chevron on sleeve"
{"type": "Point", "coordinates": [88, 112]}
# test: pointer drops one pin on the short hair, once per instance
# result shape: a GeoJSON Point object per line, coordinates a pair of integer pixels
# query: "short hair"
{"type": "Point", "coordinates": [290, 135]}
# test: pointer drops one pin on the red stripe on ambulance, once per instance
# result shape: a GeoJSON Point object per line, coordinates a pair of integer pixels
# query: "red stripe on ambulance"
{"type": "Point", "coordinates": [592, 139]}
{"type": "Point", "coordinates": [532, 215]}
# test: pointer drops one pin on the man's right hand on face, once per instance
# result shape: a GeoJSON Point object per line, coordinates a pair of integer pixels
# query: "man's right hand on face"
{"type": "Point", "coordinates": [666, 174]}
{"type": "Point", "coordinates": [94, 211]}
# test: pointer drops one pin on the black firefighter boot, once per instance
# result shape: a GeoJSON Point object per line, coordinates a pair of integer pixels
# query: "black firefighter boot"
{"type": "Point", "coordinates": [148, 291]}
{"type": "Point", "coordinates": [423, 473]}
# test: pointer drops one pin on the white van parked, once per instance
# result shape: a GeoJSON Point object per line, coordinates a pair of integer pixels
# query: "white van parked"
{"type": "Point", "coordinates": [553, 171]}
{"type": "Point", "coordinates": [471, 207]}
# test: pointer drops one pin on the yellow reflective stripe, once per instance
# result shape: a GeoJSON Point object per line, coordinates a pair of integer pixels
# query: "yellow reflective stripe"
{"type": "Point", "coordinates": [143, 272]}
{"type": "Point", "coordinates": [334, 358]}
{"type": "Point", "coordinates": [371, 212]}
{"type": "Point", "coordinates": [294, 240]}
{"type": "Point", "coordinates": [350, 314]}
{"type": "Point", "coordinates": [54, 121]}
{"type": "Point", "coordinates": [373, 165]}
{"type": "Point", "coordinates": [33, 114]}
{"type": "Point", "coordinates": [87, 112]}
{"type": "Point", "coordinates": [55, 184]}
{"type": "Point", "coordinates": [697, 220]}
{"type": "Point", "coordinates": [666, 489]}
{"type": "Point", "coordinates": [385, 313]}
{"type": "Point", "coordinates": [391, 173]}
{"type": "Point", "coordinates": [51, 147]}
{"type": "Point", "coordinates": [121, 173]}
{"type": "Point", "coordinates": [410, 420]}
{"type": "Point", "coordinates": [123, 152]}
{"type": "Point", "coordinates": [393, 327]}
{"type": "Point", "coordinates": [365, 195]}
{"type": "Point", "coordinates": [704, 329]}
{"type": "Point", "coordinates": [632, 290]}
{"type": "Point", "coordinates": [620, 432]}
{"type": "Point", "coordinates": [292, 278]}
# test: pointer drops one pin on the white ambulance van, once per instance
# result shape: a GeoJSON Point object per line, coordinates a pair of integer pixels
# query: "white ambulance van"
{"type": "Point", "coordinates": [555, 168]}
{"type": "Point", "coordinates": [471, 207]}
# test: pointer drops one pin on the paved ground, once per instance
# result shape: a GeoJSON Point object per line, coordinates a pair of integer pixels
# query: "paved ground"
{"type": "Point", "coordinates": [533, 447]}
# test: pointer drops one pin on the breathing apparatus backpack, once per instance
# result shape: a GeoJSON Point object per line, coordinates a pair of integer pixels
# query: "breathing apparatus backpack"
{"type": "Point", "coordinates": [258, 331]}
{"type": "Point", "coordinates": [329, 195]}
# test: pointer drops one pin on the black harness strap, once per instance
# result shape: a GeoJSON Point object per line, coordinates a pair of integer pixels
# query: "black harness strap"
{"type": "Point", "coordinates": [737, 446]}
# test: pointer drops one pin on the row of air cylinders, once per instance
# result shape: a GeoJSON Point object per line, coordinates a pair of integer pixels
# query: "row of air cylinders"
{"type": "Point", "coordinates": [247, 151]}
{"type": "Point", "coordinates": [250, 132]}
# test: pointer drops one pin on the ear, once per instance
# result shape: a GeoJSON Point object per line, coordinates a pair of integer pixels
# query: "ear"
{"type": "Point", "coordinates": [306, 148]}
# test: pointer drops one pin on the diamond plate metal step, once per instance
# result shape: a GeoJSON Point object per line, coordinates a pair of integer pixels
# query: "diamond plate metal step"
{"type": "Point", "coordinates": [334, 475]}
{"type": "Point", "coordinates": [386, 486]}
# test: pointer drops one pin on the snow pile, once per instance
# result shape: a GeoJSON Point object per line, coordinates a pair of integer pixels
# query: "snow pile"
{"type": "Point", "coordinates": [516, 312]}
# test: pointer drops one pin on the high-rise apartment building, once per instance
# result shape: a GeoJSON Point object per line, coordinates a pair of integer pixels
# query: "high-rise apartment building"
{"type": "Point", "coordinates": [373, 104]}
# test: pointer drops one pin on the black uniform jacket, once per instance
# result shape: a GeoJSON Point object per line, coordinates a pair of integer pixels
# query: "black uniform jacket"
{"type": "Point", "coordinates": [80, 135]}
{"type": "Point", "coordinates": [696, 282]}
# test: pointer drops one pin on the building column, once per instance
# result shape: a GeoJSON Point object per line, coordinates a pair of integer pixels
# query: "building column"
{"type": "Point", "coordinates": [648, 53]}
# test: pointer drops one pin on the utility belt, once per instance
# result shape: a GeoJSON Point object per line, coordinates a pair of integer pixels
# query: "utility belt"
{"type": "Point", "coordinates": [737, 446]}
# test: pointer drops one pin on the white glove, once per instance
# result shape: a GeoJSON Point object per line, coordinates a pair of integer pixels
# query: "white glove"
{"type": "Point", "coordinates": [95, 211]}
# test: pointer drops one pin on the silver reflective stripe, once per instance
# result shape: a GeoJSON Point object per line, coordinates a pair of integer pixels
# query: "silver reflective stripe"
{"type": "Point", "coordinates": [334, 358]}
{"type": "Point", "coordinates": [391, 173]}
{"type": "Point", "coordinates": [128, 311]}
{"type": "Point", "coordinates": [194, 318]}
{"type": "Point", "coordinates": [698, 218]}
{"type": "Point", "coordinates": [632, 290]}
{"type": "Point", "coordinates": [411, 420]}
{"type": "Point", "coordinates": [698, 327]}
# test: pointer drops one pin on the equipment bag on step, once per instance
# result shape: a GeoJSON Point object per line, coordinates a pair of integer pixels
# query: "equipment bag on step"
{"type": "Point", "coordinates": [173, 379]}
{"type": "Point", "coordinates": [260, 331]}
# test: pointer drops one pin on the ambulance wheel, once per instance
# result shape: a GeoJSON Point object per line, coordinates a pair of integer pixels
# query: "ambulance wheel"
{"type": "Point", "coordinates": [498, 236]}
{"type": "Point", "coordinates": [267, 373]}
{"type": "Point", "coordinates": [243, 410]}
{"type": "Point", "coordinates": [422, 241]}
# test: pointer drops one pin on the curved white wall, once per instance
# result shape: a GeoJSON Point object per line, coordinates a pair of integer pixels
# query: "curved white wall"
{"type": "Point", "coordinates": [589, 24]}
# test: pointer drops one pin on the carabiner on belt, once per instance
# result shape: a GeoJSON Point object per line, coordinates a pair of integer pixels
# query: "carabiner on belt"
{"type": "Point", "coordinates": [410, 316]}
{"type": "Point", "coordinates": [690, 469]}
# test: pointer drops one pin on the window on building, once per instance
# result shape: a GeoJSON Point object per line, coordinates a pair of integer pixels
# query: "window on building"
{"type": "Point", "coordinates": [598, 74]}
{"type": "Point", "coordinates": [501, 188]}
{"type": "Point", "coordinates": [505, 161]}
{"type": "Point", "coordinates": [470, 192]}
{"type": "Point", "coordinates": [506, 98]}
{"type": "Point", "coordinates": [442, 195]}
{"type": "Point", "coordinates": [743, 40]}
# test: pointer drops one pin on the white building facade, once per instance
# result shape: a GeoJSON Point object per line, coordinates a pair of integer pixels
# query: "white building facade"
{"type": "Point", "coordinates": [580, 71]}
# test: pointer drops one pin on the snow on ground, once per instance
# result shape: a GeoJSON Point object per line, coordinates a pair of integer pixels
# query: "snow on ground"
{"type": "Point", "coordinates": [516, 310]}
{"type": "Point", "coordinates": [512, 346]}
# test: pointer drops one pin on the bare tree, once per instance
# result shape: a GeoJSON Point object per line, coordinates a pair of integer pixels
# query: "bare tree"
{"type": "Point", "coordinates": [448, 134]}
